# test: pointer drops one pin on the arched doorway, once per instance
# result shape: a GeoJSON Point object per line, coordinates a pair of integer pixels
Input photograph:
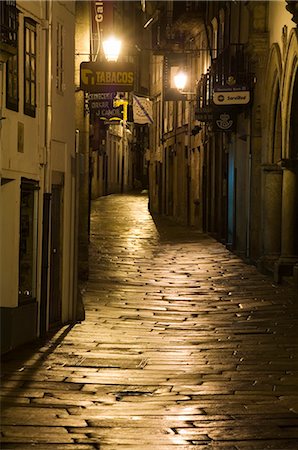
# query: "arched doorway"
{"type": "Point", "coordinates": [288, 261]}
{"type": "Point", "coordinates": [271, 167]}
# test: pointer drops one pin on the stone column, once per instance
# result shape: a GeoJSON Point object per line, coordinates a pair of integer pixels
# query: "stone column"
{"type": "Point", "coordinates": [289, 215]}
{"type": "Point", "coordinates": [271, 220]}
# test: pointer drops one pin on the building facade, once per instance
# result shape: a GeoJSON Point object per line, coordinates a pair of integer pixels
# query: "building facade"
{"type": "Point", "coordinates": [38, 170]}
{"type": "Point", "coordinates": [223, 158]}
{"type": "Point", "coordinates": [117, 146]}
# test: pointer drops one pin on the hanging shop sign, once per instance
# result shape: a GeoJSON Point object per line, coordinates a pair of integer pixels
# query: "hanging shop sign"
{"type": "Point", "coordinates": [106, 77]}
{"type": "Point", "coordinates": [204, 116]}
{"type": "Point", "coordinates": [101, 106]}
{"type": "Point", "coordinates": [101, 23]}
{"type": "Point", "coordinates": [231, 98]}
{"type": "Point", "coordinates": [224, 121]}
{"type": "Point", "coordinates": [231, 93]}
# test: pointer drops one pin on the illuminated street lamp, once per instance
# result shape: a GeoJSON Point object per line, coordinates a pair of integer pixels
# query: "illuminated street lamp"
{"type": "Point", "coordinates": [180, 80]}
{"type": "Point", "coordinates": [111, 48]}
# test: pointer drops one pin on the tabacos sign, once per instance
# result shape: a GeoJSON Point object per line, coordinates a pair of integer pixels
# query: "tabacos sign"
{"type": "Point", "coordinates": [106, 77]}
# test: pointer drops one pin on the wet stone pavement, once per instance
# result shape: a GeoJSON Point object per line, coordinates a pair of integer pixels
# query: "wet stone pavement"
{"type": "Point", "coordinates": [184, 346]}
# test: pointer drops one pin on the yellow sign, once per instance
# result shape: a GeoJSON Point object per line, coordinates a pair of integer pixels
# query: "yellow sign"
{"type": "Point", "coordinates": [106, 77]}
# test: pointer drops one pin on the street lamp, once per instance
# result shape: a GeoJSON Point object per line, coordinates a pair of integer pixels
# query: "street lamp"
{"type": "Point", "coordinates": [122, 102]}
{"type": "Point", "coordinates": [111, 48]}
{"type": "Point", "coordinates": [180, 80]}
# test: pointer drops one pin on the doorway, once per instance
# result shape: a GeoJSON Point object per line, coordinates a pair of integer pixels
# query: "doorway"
{"type": "Point", "coordinates": [55, 303]}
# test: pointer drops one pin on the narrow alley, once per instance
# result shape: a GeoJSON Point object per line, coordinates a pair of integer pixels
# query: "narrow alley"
{"type": "Point", "coordinates": [184, 346]}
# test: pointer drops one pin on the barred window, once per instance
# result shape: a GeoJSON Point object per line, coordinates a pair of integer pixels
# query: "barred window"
{"type": "Point", "coordinates": [60, 59]}
{"type": "Point", "coordinates": [8, 24]}
{"type": "Point", "coordinates": [12, 88]}
{"type": "Point", "coordinates": [30, 67]}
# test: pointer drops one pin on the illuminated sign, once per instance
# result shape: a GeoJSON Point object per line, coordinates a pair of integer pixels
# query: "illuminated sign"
{"type": "Point", "coordinates": [101, 23]}
{"type": "Point", "coordinates": [231, 98]}
{"type": "Point", "coordinates": [99, 10]}
{"type": "Point", "coordinates": [106, 77]}
{"type": "Point", "coordinates": [102, 106]}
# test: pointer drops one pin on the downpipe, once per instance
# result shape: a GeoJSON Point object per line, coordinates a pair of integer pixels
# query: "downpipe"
{"type": "Point", "coordinates": [44, 294]}
{"type": "Point", "coordinates": [248, 206]}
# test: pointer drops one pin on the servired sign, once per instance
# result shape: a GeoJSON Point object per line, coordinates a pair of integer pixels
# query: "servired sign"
{"type": "Point", "coordinates": [231, 98]}
{"type": "Point", "coordinates": [106, 77]}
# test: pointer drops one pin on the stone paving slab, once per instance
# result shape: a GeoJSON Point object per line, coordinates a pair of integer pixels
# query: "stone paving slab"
{"type": "Point", "coordinates": [184, 346]}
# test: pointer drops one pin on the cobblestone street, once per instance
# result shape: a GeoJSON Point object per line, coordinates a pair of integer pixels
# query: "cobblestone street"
{"type": "Point", "coordinates": [184, 346]}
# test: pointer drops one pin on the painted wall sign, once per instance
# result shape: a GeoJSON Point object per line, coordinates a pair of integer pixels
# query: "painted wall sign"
{"type": "Point", "coordinates": [106, 77]}
{"type": "Point", "coordinates": [231, 98]}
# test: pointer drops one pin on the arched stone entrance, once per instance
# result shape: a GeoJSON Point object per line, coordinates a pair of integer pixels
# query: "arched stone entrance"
{"type": "Point", "coordinates": [271, 170]}
{"type": "Point", "coordinates": [288, 261]}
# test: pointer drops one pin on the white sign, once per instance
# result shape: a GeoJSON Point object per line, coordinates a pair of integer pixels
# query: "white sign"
{"type": "Point", "coordinates": [231, 98]}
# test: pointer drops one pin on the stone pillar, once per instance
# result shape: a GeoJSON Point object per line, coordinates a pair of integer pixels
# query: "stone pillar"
{"type": "Point", "coordinates": [289, 240]}
{"type": "Point", "coordinates": [258, 50]}
{"type": "Point", "coordinates": [271, 220]}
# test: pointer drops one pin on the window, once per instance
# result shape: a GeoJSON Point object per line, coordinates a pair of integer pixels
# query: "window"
{"type": "Point", "coordinates": [214, 37]}
{"type": "Point", "coordinates": [12, 90]}
{"type": "Point", "coordinates": [30, 67]}
{"type": "Point", "coordinates": [179, 113]}
{"type": "Point", "coordinates": [8, 25]}
{"type": "Point", "coordinates": [221, 30]}
{"type": "Point", "coordinates": [28, 241]}
{"type": "Point", "coordinates": [60, 59]}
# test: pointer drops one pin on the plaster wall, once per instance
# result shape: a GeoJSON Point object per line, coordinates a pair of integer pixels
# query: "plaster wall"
{"type": "Point", "coordinates": [21, 134]}
{"type": "Point", "coordinates": [64, 101]}
{"type": "Point", "coordinates": [63, 142]}
{"type": "Point", "coordinates": [33, 8]}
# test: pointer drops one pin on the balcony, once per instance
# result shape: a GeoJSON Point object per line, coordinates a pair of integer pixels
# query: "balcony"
{"type": "Point", "coordinates": [228, 83]}
{"type": "Point", "coordinates": [176, 22]}
{"type": "Point", "coordinates": [8, 29]}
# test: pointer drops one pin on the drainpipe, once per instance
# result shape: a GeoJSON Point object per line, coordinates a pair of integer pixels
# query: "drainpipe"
{"type": "Point", "coordinates": [78, 310]}
{"type": "Point", "coordinates": [248, 202]}
{"type": "Point", "coordinates": [44, 295]}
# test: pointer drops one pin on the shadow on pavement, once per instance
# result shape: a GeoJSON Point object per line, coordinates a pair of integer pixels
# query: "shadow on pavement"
{"type": "Point", "coordinates": [16, 360]}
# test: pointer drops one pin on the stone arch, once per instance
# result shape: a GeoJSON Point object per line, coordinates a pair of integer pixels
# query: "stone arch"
{"type": "Point", "coordinates": [289, 92]}
{"type": "Point", "coordinates": [293, 132]}
{"type": "Point", "coordinates": [271, 171]}
{"type": "Point", "coordinates": [289, 213]}
{"type": "Point", "coordinates": [273, 111]}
